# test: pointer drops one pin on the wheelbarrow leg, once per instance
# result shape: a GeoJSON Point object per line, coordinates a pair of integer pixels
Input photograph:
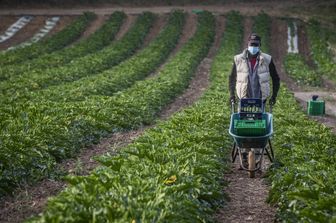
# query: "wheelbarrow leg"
{"type": "Point", "coordinates": [270, 153]}
{"type": "Point", "coordinates": [261, 157]}
{"type": "Point", "coordinates": [234, 152]}
{"type": "Point", "coordinates": [270, 144]}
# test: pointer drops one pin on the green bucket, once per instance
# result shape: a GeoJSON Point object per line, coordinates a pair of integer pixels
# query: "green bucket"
{"type": "Point", "coordinates": [315, 107]}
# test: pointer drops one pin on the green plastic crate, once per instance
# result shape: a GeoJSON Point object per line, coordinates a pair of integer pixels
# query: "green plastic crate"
{"type": "Point", "coordinates": [250, 127]}
{"type": "Point", "coordinates": [315, 107]}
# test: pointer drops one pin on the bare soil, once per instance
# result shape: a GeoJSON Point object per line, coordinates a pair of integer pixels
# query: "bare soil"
{"type": "Point", "coordinates": [279, 51]}
{"type": "Point", "coordinates": [189, 29]}
{"type": "Point", "coordinates": [94, 26]}
{"type": "Point", "coordinates": [200, 82]}
{"type": "Point", "coordinates": [247, 196]}
{"type": "Point", "coordinates": [25, 33]}
{"type": "Point", "coordinates": [129, 21]}
{"type": "Point", "coordinates": [304, 46]}
{"type": "Point", "coordinates": [156, 28]}
{"type": "Point", "coordinates": [248, 23]}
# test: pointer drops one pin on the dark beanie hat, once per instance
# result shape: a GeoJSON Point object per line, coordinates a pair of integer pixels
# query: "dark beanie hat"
{"type": "Point", "coordinates": [254, 38]}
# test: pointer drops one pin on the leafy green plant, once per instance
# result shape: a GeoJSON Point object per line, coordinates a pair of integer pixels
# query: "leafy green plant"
{"type": "Point", "coordinates": [318, 38]}
{"type": "Point", "coordinates": [261, 26]}
{"type": "Point", "coordinates": [303, 75]}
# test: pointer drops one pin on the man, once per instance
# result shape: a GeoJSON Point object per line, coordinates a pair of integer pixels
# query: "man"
{"type": "Point", "coordinates": [250, 77]}
{"type": "Point", "coordinates": [251, 73]}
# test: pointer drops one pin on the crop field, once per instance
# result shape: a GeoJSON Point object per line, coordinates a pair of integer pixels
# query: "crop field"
{"type": "Point", "coordinates": [124, 117]}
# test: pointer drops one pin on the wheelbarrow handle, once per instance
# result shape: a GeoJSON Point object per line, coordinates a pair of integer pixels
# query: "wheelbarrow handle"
{"type": "Point", "coordinates": [232, 107]}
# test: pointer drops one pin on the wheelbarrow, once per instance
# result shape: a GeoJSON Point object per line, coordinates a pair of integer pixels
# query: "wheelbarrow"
{"type": "Point", "coordinates": [253, 143]}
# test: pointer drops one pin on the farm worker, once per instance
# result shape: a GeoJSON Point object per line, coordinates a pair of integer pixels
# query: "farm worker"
{"type": "Point", "coordinates": [251, 73]}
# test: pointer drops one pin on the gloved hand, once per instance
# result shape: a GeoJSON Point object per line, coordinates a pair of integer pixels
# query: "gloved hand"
{"type": "Point", "coordinates": [233, 99]}
{"type": "Point", "coordinates": [272, 101]}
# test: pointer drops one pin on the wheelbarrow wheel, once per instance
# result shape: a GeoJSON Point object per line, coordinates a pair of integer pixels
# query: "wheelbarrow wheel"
{"type": "Point", "coordinates": [251, 163]}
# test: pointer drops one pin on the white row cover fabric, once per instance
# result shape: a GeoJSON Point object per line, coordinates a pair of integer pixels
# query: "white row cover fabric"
{"type": "Point", "coordinates": [292, 40]}
{"type": "Point", "coordinates": [14, 28]}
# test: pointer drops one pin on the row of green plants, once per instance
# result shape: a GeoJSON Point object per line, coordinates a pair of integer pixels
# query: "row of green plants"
{"type": "Point", "coordinates": [122, 76]}
{"type": "Point", "coordinates": [173, 173]}
{"type": "Point", "coordinates": [296, 67]}
{"type": "Point", "coordinates": [261, 27]}
{"type": "Point", "coordinates": [102, 37]}
{"type": "Point", "coordinates": [318, 39]}
{"type": "Point", "coordinates": [303, 181]}
{"type": "Point", "coordinates": [303, 178]}
{"type": "Point", "coordinates": [88, 65]}
{"type": "Point", "coordinates": [303, 75]}
{"type": "Point", "coordinates": [55, 42]}
{"type": "Point", "coordinates": [35, 135]}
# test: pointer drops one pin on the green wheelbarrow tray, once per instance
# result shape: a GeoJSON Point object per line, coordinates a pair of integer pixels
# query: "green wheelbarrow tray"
{"type": "Point", "coordinates": [252, 141]}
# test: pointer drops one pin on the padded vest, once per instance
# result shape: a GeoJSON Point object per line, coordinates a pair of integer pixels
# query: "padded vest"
{"type": "Point", "coordinates": [263, 73]}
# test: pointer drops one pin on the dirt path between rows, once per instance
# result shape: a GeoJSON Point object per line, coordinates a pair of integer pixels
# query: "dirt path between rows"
{"type": "Point", "coordinates": [279, 51]}
{"type": "Point", "coordinates": [188, 31]}
{"type": "Point", "coordinates": [247, 196]}
{"type": "Point", "coordinates": [159, 23]}
{"type": "Point", "coordinates": [31, 200]}
{"type": "Point", "coordinates": [129, 21]}
{"type": "Point", "coordinates": [303, 44]}
{"type": "Point", "coordinates": [279, 38]}
{"type": "Point", "coordinates": [200, 82]}
{"type": "Point", "coordinates": [93, 27]}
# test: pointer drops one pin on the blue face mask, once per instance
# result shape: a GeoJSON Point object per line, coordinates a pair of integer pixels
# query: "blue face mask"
{"type": "Point", "coordinates": [253, 49]}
